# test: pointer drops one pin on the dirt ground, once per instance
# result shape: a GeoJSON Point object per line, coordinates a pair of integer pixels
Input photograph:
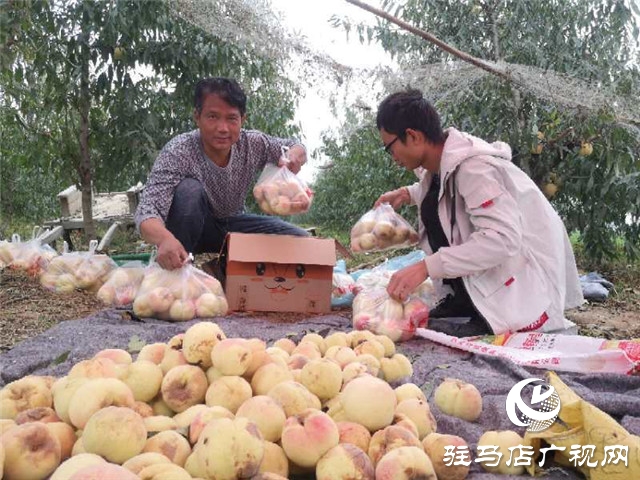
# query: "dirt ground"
{"type": "Point", "coordinates": [27, 309]}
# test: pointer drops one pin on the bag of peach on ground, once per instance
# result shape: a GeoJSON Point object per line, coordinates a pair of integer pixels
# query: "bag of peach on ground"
{"type": "Point", "coordinates": [77, 270]}
{"type": "Point", "coordinates": [179, 295]}
{"type": "Point", "coordinates": [376, 311]}
{"type": "Point", "coordinates": [122, 285]}
{"type": "Point", "coordinates": [31, 256]}
{"type": "Point", "coordinates": [279, 191]}
{"type": "Point", "coordinates": [382, 228]}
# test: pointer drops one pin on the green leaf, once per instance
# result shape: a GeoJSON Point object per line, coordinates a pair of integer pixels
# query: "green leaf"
{"type": "Point", "coordinates": [135, 344]}
{"type": "Point", "coordinates": [61, 358]}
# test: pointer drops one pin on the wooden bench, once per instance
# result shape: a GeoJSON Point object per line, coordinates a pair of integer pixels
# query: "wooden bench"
{"type": "Point", "coordinates": [113, 209]}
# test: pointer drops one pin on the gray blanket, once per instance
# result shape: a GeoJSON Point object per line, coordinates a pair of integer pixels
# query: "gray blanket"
{"type": "Point", "coordinates": [56, 350]}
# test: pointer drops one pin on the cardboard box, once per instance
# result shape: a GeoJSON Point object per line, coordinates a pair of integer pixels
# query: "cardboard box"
{"type": "Point", "coordinates": [278, 273]}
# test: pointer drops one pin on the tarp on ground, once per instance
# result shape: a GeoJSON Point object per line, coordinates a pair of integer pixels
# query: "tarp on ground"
{"type": "Point", "coordinates": [54, 352]}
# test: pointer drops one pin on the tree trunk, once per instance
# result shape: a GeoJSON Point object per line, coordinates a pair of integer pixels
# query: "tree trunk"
{"type": "Point", "coordinates": [84, 168]}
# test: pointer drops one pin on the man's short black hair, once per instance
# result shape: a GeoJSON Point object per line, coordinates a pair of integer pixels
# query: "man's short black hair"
{"type": "Point", "coordinates": [409, 109]}
{"type": "Point", "coordinates": [226, 88]}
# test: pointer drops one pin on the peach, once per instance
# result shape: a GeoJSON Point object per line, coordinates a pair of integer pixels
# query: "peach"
{"type": "Point", "coordinates": [24, 394]}
{"type": "Point", "coordinates": [171, 358]}
{"type": "Point", "coordinates": [228, 392]}
{"type": "Point", "coordinates": [94, 368]}
{"type": "Point", "coordinates": [370, 362]}
{"type": "Point", "coordinates": [322, 377]}
{"type": "Point", "coordinates": [309, 349]}
{"type": "Point", "coordinates": [396, 369]}
{"type": "Point", "coordinates": [317, 339]}
{"type": "Point", "coordinates": [209, 305]}
{"type": "Point", "coordinates": [6, 424]}
{"type": "Point", "coordinates": [345, 461]}
{"type": "Point", "coordinates": [266, 413]}
{"type": "Point", "coordinates": [278, 352]}
{"type": "Point", "coordinates": [390, 438]}
{"type": "Point", "coordinates": [160, 299]}
{"type": "Point", "coordinates": [405, 463]}
{"type": "Point", "coordinates": [387, 343]}
{"type": "Point", "coordinates": [38, 414]}
{"type": "Point", "coordinates": [31, 452]}
{"type": "Point", "coordinates": [170, 444]}
{"type": "Point", "coordinates": [459, 399]}
{"type": "Point", "coordinates": [366, 241]}
{"type": "Point", "coordinates": [160, 407]}
{"type": "Point", "coordinates": [294, 397]}
{"type": "Point", "coordinates": [338, 339]}
{"type": "Point", "coordinates": [504, 440]}
{"type": "Point", "coordinates": [96, 394]}
{"type": "Point", "coordinates": [182, 310]}
{"type": "Point", "coordinates": [176, 341]}
{"type": "Point", "coordinates": [115, 433]}
{"type": "Point", "coordinates": [354, 433]}
{"type": "Point", "coordinates": [268, 376]}
{"type": "Point", "coordinates": [275, 461]}
{"type": "Point", "coordinates": [163, 471]}
{"type": "Point", "coordinates": [143, 378]}
{"type": "Point", "coordinates": [142, 306]}
{"type": "Point", "coordinates": [183, 386]}
{"type": "Point", "coordinates": [369, 401]}
{"type": "Point", "coordinates": [371, 347]}
{"type": "Point", "coordinates": [230, 449]}
{"type": "Point", "coordinates": [104, 471]}
{"type": "Point", "coordinates": [285, 344]}
{"type": "Point", "coordinates": [74, 464]}
{"type": "Point", "coordinates": [213, 374]}
{"type": "Point", "coordinates": [159, 423]}
{"type": "Point", "coordinates": [78, 447]}
{"type": "Point", "coordinates": [153, 352]}
{"type": "Point", "coordinates": [203, 418]}
{"type": "Point", "coordinates": [232, 356]}
{"type": "Point", "coordinates": [409, 390]}
{"type": "Point", "coordinates": [356, 337]}
{"type": "Point", "coordinates": [384, 230]}
{"type": "Point", "coordinates": [139, 462]}
{"type": "Point", "coordinates": [419, 413]}
{"type": "Point", "coordinates": [401, 420]}
{"type": "Point", "coordinates": [308, 436]}
{"type": "Point", "coordinates": [434, 445]}
{"type": "Point", "coordinates": [184, 418]}
{"type": "Point", "coordinates": [193, 467]}
{"type": "Point", "coordinates": [63, 391]}
{"type": "Point", "coordinates": [199, 340]}
{"type": "Point", "coordinates": [117, 355]}
{"type": "Point", "coordinates": [342, 355]}
{"type": "Point", "coordinates": [297, 361]}
{"type": "Point", "coordinates": [66, 436]}
{"type": "Point", "coordinates": [354, 370]}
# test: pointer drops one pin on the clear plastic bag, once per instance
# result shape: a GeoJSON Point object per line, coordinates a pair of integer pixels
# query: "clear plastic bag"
{"type": "Point", "coordinates": [343, 284]}
{"type": "Point", "coordinates": [374, 310]}
{"type": "Point", "coordinates": [179, 295]}
{"type": "Point", "coordinates": [123, 284]}
{"type": "Point", "coordinates": [77, 270]}
{"type": "Point", "coordinates": [8, 249]}
{"type": "Point", "coordinates": [31, 256]}
{"type": "Point", "coordinates": [382, 228]}
{"type": "Point", "coordinates": [279, 191]}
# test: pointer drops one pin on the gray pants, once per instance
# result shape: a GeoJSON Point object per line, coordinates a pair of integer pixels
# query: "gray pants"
{"type": "Point", "coordinates": [192, 222]}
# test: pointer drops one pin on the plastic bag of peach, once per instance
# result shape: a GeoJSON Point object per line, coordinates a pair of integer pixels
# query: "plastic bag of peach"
{"type": "Point", "coordinates": [376, 311]}
{"type": "Point", "coordinates": [179, 295]}
{"type": "Point", "coordinates": [279, 191]}
{"type": "Point", "coordinates": [382, 228]}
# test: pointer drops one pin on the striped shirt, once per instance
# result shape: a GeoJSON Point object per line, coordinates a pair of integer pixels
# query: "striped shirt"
{"type": "Point", "coordinates": [226, 187]}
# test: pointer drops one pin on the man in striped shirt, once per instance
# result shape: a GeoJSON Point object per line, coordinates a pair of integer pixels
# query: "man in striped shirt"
{"type": "Point", "coordinates": [196, 191]}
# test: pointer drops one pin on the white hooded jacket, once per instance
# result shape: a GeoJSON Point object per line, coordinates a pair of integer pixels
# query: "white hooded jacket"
{"type": "Point", "coordinates": [506, 241]}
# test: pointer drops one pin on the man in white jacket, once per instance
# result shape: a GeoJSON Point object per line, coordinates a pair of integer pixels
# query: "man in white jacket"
{"type": "Point", "coordinates": [488, 231]}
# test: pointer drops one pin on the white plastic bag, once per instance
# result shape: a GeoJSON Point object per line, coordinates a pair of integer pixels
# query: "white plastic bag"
{"type": "Point", "coordinates": [122, 285]}
{"type": "Point", "coordinates": [279, 191]}
{"type": "Point", "coordinates": [179, 295]}
{"type": "Point", "coordinates": [375, 310]}
{"type": "Point", "coordinates": [382, 228]}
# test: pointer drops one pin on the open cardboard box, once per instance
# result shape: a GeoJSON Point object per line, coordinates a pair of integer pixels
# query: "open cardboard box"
{"type": "Point", "coordinates": [278, 273]}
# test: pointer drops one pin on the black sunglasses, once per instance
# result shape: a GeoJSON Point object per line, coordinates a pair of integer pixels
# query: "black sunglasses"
{"type": "Point", "coordinates": [387, 147]}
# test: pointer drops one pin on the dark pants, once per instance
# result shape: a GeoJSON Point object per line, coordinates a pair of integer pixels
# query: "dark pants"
{"type": "Point", "coordinates": [192, 222]}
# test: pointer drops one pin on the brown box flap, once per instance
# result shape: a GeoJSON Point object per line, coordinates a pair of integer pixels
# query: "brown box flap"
{"type": "Point", "coordinates": [285, 249]}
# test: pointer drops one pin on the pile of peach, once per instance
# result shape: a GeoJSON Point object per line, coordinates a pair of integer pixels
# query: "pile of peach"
{"type": "Point", "coordinates": [203, 406]}
{"type": "Point", "coordinates": [282, 197]}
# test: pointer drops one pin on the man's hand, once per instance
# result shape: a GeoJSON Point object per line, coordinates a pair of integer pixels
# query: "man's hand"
{"type": "Point", "coordinates": [405, 281]}
{"type": "Point", "coordinates": [171, 254]}
{"type": "Point", "coordinates": [297, 158]}
{"type": "Point", "coordinates": [396, 198]}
